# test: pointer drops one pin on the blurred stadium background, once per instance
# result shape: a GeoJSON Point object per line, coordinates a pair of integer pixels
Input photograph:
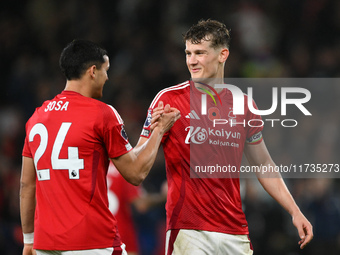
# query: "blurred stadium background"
{"type": "Point", "coordinates": [277, 38]}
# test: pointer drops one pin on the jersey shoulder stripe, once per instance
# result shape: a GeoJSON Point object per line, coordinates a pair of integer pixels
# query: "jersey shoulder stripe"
{"type": "Point", "coordinates": [172, 88]}
{"type": "Point", "coordinates": [120, 120]}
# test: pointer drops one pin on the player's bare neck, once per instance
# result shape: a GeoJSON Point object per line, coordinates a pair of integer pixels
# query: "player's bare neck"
{"type": "Point", "coordinates": [80, 86]}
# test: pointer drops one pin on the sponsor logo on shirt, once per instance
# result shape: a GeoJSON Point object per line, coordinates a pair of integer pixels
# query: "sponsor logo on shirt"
{"type": "Point", "coordinates": [220, 137]}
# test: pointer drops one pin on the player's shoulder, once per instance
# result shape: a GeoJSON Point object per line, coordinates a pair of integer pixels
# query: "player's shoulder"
{"type": "Point", "coordinates": [171, 91]}
{"type": "Point", "coordinates": [179, 88]}
{"type": "Point", "coordinates": [112, 111]}
{"type": "Point", "coordinates": [106, 112]}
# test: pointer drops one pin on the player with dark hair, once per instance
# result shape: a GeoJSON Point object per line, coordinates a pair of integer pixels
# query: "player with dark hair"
{"type": "Point", "coordinates": [78, 57]}
{"type": "Point", "coordinates": [204, 215]}
{"type": "Point", "coordinates": [68, 146]}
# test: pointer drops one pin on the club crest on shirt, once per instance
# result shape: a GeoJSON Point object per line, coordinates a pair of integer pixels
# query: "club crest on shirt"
{"type": "Point", "coordinates": [148, 119]}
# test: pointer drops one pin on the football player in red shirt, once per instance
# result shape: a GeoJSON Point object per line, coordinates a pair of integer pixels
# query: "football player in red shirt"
{"type": "Point", "coordinates": [204, 215]}
{"type": "Point", "coordinates": [69, 141]}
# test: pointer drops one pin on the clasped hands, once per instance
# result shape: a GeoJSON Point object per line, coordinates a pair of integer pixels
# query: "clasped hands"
{"type": "Point", "coordinates": [164, 117]}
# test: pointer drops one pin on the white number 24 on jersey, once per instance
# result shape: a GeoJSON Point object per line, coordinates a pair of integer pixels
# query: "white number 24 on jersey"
{"type": "Point", "coordinates": [73, 163]}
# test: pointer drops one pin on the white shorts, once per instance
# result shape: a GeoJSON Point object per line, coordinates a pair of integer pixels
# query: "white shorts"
{"type": "Point", "coordinates": [107, 251]}
{"type": "Point", "coordinates": [199, 242]}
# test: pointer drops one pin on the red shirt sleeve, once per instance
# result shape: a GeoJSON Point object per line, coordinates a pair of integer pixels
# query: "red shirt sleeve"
{"type": "Point", "coordinates": [114, 135]}
{"type": "Point", "coordinates": [26, 150]}
{"type": "Point", "coordinates": [146, 132]}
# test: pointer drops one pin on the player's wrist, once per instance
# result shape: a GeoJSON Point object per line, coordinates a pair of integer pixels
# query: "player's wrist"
{"type": "Point", "coordinates": [295, 213]}
{"type": "Point", "coordinates": [158, 131]}
{"type": "Point", "coordinates": [28, 238]}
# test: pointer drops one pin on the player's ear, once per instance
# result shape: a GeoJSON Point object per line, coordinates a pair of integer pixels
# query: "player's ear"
{"type": "Point", "coordinates": [92, 71]}
{"type": "Point", "coordinates": [223, 55]}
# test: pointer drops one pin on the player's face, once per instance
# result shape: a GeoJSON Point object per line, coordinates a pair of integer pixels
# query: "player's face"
{"type": "Point", "coordinates": [101, 78]}
{"type": "Point", "coordinates": [203, 61]}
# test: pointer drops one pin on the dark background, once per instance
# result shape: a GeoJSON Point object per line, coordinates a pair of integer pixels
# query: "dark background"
{"type": "Point", "coordinates": [277, 38]}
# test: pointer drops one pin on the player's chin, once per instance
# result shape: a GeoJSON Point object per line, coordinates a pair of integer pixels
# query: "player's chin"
{"type": "Point", "coordinates": [197, 77]}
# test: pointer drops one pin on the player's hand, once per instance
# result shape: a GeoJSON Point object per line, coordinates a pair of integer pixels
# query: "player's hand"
{"type": "Point", "coordinates": [164, 117]}
{"type": "Point", "coordinates": [156, 114]}
{"type": "Point", "coordinates": [28, 250]}
{"type": "Point", "coordinates": [304, 228]}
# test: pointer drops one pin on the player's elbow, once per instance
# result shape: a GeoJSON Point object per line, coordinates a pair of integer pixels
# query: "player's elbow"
{"type": "Point", "coordinates": [139, 179]}
{"type": "Point", "coordinates": [135, 173]}
{"type": "Point", "coordinates": [136, 179]}
{"type": "Point", "coordinates": [136, 182]}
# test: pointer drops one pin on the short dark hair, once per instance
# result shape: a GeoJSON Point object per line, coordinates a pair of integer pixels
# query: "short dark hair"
{"type": "Point", "coordinates": [78, 56]}
{"type": "Point", "coordinates": [209, 30]}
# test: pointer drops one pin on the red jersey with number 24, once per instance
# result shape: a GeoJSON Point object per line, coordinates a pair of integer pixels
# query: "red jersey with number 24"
{"type": "Point", "coordinates": [71, 139]}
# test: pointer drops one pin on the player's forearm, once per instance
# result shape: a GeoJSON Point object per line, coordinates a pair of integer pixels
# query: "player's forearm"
{"type": "Point", "coordinates": [134, 167]}
{"type": "Point", "coordinates": [271, 181]}
{"type": "Point", "coordinates": [147, 154]}
{"type": "Point", "coordinates": [27, 207]}
{"type": "Point", "coordinates": [276, 188]}
{"type": "Point", "coordinates": [140, 145]}
{"type": "Point", "coordinates": [27, 194]}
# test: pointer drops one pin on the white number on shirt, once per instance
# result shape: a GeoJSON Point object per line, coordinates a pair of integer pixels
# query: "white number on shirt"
{"type": "Point", "coordinates": [73, 164]}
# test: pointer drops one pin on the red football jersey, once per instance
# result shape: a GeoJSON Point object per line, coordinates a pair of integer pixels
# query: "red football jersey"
{"type": "Point", "coordinates": [121, 195]}
{"type": "Point", "coordinates": [198, 199]}
{"type": "Point", "coordinates": [71, 139]}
